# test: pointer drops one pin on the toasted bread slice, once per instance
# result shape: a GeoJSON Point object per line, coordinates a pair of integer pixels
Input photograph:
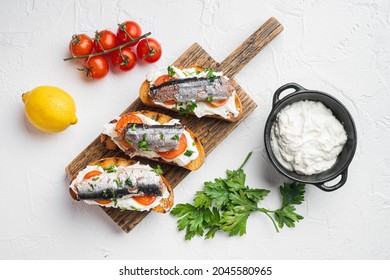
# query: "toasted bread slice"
{"type": "Point", "coordinates": [146, 100]}
{"type": "Point", "coordinates": [165, 203]}
{"type": "Point", "coordinates": [162, 119]}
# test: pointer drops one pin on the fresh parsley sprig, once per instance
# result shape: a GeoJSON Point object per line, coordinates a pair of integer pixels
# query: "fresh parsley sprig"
{"type": "Point", "coordinates": [226, 204]}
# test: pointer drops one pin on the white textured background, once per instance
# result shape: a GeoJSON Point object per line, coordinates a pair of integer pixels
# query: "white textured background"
{"type": "Point", "coordinates": [340, 47]}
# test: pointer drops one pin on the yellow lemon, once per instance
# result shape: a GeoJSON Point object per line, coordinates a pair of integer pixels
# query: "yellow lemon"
{"type": "Point", "coordinates": [49, 108]}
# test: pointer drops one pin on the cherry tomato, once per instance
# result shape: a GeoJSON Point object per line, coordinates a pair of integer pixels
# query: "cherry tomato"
{"type": "Point", "coordinates": [124, 121]}
{"type": "Point", "coordinates": [124, 59]}
{"type": "Point", "coordinates": [127, 31]}
{"type": "Point", "coordinates": [104, 40]}
{"type": "Point", "coordinates": [80, 44]}
{"type": "Point", "coordinates": [149, 50]}
{"type": "Point", "coordinates": [145, 200]}
{"type": "Point", "coordinates": [219, 103]}
{"type": "Point", "coordinates": [181, 147]}
{"type": "Point", "coordinates": [96, 67]}
{"type": "Point", "coordinates": [103, 201]}
{"type": "Point", "coordinates": [91, 174]}
{"type": "Point", "coordinates": [162, 79]}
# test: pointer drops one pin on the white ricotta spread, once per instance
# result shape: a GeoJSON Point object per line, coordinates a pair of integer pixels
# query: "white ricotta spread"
{"type": "Point", "coordinates": [307, 138]}
{"type": "Point", "coordinates": [181, 160]}
{"type": "Point", "coordinates": [227, 111]}
{"type": "Point", "coordinates": [125, 202]}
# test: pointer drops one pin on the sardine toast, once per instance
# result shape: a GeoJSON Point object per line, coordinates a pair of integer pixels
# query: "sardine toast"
{"type": "Point", "coordinates": [197, 91]}
{"type": "Point", "coordinates": [154, 136]}
{"type": "Point", "coordinates": [122, 183]}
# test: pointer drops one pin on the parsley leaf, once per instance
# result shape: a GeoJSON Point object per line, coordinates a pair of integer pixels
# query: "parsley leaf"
{"type": "Point", "coordinates": [226, 204]}
{"type": "Point", "coordinates": [188, 153]}
{"type": "Point", "coordinates": [111, 168]}
{"type": "Point", "coordinates": [210, 74]}
{"type": "Point", "coordinates": [171, 71]}
{"type": "Point", "coordinates": [292, 194]}
{"type": "Point", "coordinates": [189, 108]}
{"type": "Point", "coordinates": [158, 170]}
{"type": "Point", "coordinates": [143, 144]}
{"type": "Point", "coordinates": [128, 182]}
{"type": "Point", "coordinates": [175, 137]}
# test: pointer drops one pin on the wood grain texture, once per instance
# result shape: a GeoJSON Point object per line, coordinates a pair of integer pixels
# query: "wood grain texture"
{"type": "Point", "coordinates": [210, 132]}
{"type": "Point", "coordinates": [250, 47]}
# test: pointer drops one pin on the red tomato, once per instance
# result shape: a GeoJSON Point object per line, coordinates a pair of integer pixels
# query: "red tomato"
{"type": "Point", "coordinates": [219, 103]}
{"type": "Point", "coordinates": [149, 50]}
{"type": "Point", "coordinates": [80, 44]}
{"type": "Point", "coordinates": [145, 200]}
{"type": "Point", "coordinates": [125, 120]}
{"type": "Point", "coordinates": [127, 31]}
{"type": "Point", "coordinates": [181, 147]}
{"type": "Point", "coordinates": [162, 79]}
{"type": "Point", "coordinates": [124, 59]}
{"type": "Point", "coordinates": [104, 40]}
{"type": "Point", "coordinates": [91, 174]}
{"type": "Point", "coordinates": [96, 67]}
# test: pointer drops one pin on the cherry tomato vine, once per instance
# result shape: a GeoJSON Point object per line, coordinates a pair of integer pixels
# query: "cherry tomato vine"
{"type": "Point", "coordinates": [96, 52]}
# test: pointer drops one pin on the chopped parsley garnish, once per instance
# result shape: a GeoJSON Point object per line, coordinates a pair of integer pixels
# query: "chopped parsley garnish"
{"type": "Point", "coordinates": [162, 137]}
{"type": "Point", "coordinates": [143, 144]}
{"type": "Point", "coordinates": [190, 107]}
{"type": "Point", "coordinates": [115, 200]}
{"type": "Point", "coordinates": [95, 178]}
{"type": "Point", "coordinates": [158, 170]}
{"type": "Point", "coordinates": [188, 153]}
{"type": "Point", "coordinates": [123, 209]}
{"type": "Point", "coordinates": [197, 71]}
{"type": "Point", "coordinates": [171, 71]}
{"type": "Point", "coordinates": [104, 193]}
{"type": "Point", "coordinates": [128, 182]}
{"type": "Point", "coordinates": [210, 74]}
{"type": "Point", "coordinates": [154, 118]}
{"type": "Point", "coordinates": [175, 137]}
{"type": "Point", "coordinates": [209, 99]}
{"type": "Point", "coordinates": [133, 127]}
{"type": "Point", "coordinates": [110, 169]}
{"type": "Point", "coordinates": [118, 183]}
{"type": "Point", "coordinates": [193, 143]}
{"type": "Point", "coordinates": [112, 193]}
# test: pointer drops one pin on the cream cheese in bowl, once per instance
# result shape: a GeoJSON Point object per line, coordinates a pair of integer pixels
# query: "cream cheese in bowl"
{"type": "Point", "coordinates": [310, 137]}
{"type": "Point", "coordinates": [307, 138]}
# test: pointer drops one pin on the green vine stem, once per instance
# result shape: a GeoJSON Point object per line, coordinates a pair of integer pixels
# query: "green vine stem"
{"type": "Point", "coordinates": [110, 50]}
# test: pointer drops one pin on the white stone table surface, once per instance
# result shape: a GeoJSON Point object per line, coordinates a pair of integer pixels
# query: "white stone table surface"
{"type": "Point", "coordinates": [340, 46]}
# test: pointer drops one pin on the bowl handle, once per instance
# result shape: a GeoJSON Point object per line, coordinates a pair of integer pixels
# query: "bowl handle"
{"type": "Point", "coordinates": [342, 181]}
{"type": "Point", "coordinates": [283, 88]}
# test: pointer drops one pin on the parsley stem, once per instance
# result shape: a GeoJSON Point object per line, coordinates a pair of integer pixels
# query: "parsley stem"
{"type": "Point", "coordinates": [245, 161]}
{"type": "Point", "coordinates": [266, 211]}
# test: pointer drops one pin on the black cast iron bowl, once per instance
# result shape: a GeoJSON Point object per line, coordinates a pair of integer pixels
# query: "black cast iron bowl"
{"type": "Point", "coordinates": [339, 111]}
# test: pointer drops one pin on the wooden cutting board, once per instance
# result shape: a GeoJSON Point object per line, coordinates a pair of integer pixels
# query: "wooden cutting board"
{"type": "Point", "coordinates": [209, 131]}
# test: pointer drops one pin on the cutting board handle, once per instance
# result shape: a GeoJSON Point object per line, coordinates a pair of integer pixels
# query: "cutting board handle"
{"type": "Point", "coordinates": [250, 48]}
